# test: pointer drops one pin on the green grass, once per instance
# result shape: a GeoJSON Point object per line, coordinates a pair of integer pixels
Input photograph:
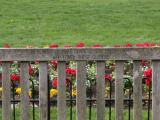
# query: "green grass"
{"type": "Point", "coordinates": [53, 114]}
{"type": "Point", "coordinates": [107, 22]}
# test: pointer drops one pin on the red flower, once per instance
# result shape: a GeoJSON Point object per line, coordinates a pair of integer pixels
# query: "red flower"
{"type": "Point", "coordinates": [97, 46]}
{"type": "Point", "coordinates": [80, 45]}
{"type": "Point", "coordinates": [73, 72]}
{"type": "Point", "coordinates": [53, 46]}
{"type": "Point", "coordinates": [54, 63]}
{"type": "Point", "coordinates": [108, 77]}
{"type": "Point", "coordinates": [68, 70]}
{"type": "Point", "coordinates": [148, 82]}
{"type": "Point", "coordinates": [14, 77]}
{"type": "Point", "coordinates": [148, 76]}
{"type": "Point", "coordinates": [148, 73]}
{"type": "Point", "coordinates": [6, 46]}
{"type": "Point", "coordinates": [139, 45]}
{"type": "Point", "coordinates": [143, 62]}
{"type": "Point", "coordinates": [30, 70]}
{"type": "Point", "coordinates": [128, 45]}
{"type": "Point", "coordinates": [55, 82]}
{"type": "Point", "coordinates": [147, 44]}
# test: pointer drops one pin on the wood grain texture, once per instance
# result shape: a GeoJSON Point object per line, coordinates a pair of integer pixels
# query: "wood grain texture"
{"type": "Point", "coordinates": [100, 92]}
{"type": "Point", "coordinates": [24, 83]}
{"type": "Point", "coordinates": [43, 90]}
{"type": "Point", "coordinates": [6, 95]}
{"type": "Point", "coordinates": [155, 91]}
{"type": "Point", "coordinates": [137, 90]}
{"type": "Point", "coordinates": [81, 91]}
{"type": "Point", "coordinates": [61, 98]}
{"type": "Point", "coordinates": [79, 54]}
{"type": "Point", "coordinates": [119, 90]}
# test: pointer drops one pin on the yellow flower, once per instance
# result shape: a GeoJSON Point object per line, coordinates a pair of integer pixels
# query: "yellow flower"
{"type": "Point", "coordinates": [46, 46]}
{"type": "Point", "coordinates": [30, 94]}
{"type": "Point", "coordinates": [0, 89]}
{"type": "Point", "coordinates": [74, 93]}
{"type": "Point", "coordinates": [18, 90]}
{"type": "Point", "coordinates": [53, 92]}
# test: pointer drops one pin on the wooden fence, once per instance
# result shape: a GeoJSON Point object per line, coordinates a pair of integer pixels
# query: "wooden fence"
{"type": "Point", "coordinates": [81, 56]}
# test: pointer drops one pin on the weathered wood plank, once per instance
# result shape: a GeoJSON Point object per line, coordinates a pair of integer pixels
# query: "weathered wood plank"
{"type": "Point", "coordinates": [61, 98]}
{"type": "Point", "coordinates": [81, 90]}
{"type": "Point", "coordinates": [6, 96]}
{"type": "Point", "coordinates": [43, 90]}
{"type": "Point", "coordinates": [119, 90]}
{"type": "Point", "coordinates": [137, 91]}
{"type": "Point", "coordinates": [100, 90]}
{"type": "Point", "coordinates": [155, 91]}
{"type": "Point", "coordinates": [79, 54]}
{"type": "Point", "coordinates": [24, 76]}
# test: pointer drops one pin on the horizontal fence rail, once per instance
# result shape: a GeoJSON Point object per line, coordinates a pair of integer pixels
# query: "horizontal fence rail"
{"type": "Point", "coordinates": [81, 56]}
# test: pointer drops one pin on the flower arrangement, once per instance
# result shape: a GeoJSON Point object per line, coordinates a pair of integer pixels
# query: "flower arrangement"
{"type": "Point", "coordinates": [71, 73]}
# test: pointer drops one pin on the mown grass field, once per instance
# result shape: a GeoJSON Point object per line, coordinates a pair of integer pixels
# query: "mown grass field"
{"type": "Point", "coordinates": [53, 114]}
{"type": "Point", "coordinates": [106, 22]}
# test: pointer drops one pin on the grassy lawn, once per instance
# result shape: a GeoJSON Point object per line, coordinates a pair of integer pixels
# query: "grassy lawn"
{"type": "Point", "coordinates": [53, 114]}
{"type": "Point", "coordinates": [107, 22]}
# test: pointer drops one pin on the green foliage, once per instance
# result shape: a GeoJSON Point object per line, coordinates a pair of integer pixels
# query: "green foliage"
{"type": "Point", "coordinates": [54, 114]}
{"type": "Point", "coordinates": [106, 22]}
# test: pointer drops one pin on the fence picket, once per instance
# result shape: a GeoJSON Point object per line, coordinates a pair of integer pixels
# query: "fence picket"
{"type": "Point", "coordinates": [137, 91]}
{"type": "Point", "coordinates": [43, 90]}
{"type": "Point", "coordinates": [81, 90]}
{"type": "Point", "coordinates": [24, 75]}
{"type": "Point", "coordinates": [119, 90]}
{"type": "Point", "coordinates": [100, 90]}
{"type": "Point", "coordinates": [156, 91]}
{"type": "Point", "coordinates": [61, 105]}
{"type": "Point", "coordinates": [6, 96]}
